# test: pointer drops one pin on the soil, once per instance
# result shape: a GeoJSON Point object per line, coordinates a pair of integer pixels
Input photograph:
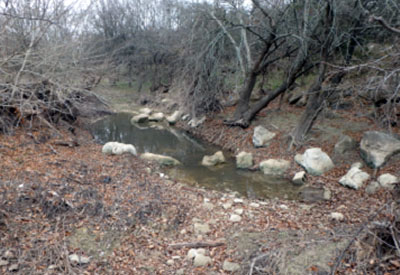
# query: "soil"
{"type": "Point", "coordinates": [125, 215]}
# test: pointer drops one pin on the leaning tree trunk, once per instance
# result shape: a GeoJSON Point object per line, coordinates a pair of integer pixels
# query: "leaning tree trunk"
{"type": "Point", "coordinates": [316, 94]}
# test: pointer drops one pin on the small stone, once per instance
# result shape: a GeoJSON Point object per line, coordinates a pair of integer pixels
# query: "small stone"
{"type": "Point", "coordinates": [208, 205]}
{"type": "Point", "coordinates": [79, 259]}
{"type": "Point", "coordinates": [327, 195]}
{"type": "Point", "coordinates": [183, 231]}
{"type": "Point", "coordinates": [156, 117]}
{"type": "Point", "coordinates": [300, 178]}
{"type": "Point", "coordinates": [170, 262]}
{"type": "Point", "coordinates": [244, 160]}
{"type": "Point", "coordinates": [254, 205]}
{"type": "Point", "coordinates": [201, 260]}
{"type": "Point", "coordinates": [53, 266]}
{"type": "Point", "coordinates": [213, 160]}
{"type": "Point", "coordinates": [372, 187]}
{"type": "Point", "coordinates": [235, 218]}
{"type": "Point", "coordinates": [180, 272]}
{"type": "Point", "coordinates": [262, 137]}
{"type": "Point", "coordinates": [227, 205]}
{"type": "Point", "coordinates": [176, 257]}
{"type": "Point", "coordinates": [3, 262]}
{"type": "Point", "coordinates": [13, 268]}
{"type": "Point", "coordinates": [139, 118]}
{"type": "Point", "coordinates": [354, 178]}
{"type": "Point", "coordinates": [229, 266]}
{"type": "Point", "coordinates": [200, 228]}
{"type": "Point", "coordinates": [283, 207]}
{"type": "Point", "coordinates": [191, 253]}
{"type": "Point", "coordinates": [238, 201]}
{"type": "Point", "coordinates": [8, 254]}
{"type": "Point", "coordinates": [337, 216]}
{"type": "Point", "coordinates": [239, 211]}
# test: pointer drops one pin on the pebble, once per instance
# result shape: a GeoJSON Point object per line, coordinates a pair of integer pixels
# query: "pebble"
{"type": "Point", "coordinates": [238, 200]}
{"type": "Point", "coordinates": [208, 205]}
{"type": "Point", "coordinates": [170, 262]}
{"type": "Point", "coordinates": [200, 228]}
{"type": "Point", "coordinates": [8, 254]}
{"type": "Point", "coordinates": [283, 206]}
{"type": "Point", "coordinates": [180, 272]}
{"type": "Point", "coordinates": [79, 259]}
{"type": "Point", "coordinates": [13, 268]}
{"type": "Point", "coordinates": [229, 266]}
{"type": "Point", "coordinates": [239, 211]}
{"type": "Point", "coordinates": [337, 216]}
{"type": "Point", "coordinates": [254, 205]}
{"type": "Point", "coordinates": [235, 218]}
{"type": "Point", "coordinates": [191, 253]}
{"type": "Point", "coordinates": [227, 205]}
{"type": "Point", "coordinates": [183, 231]}
{"type": "Point", "coordinates": [3, 262]}
{"type": "Point", "coordinates": [201, 260]}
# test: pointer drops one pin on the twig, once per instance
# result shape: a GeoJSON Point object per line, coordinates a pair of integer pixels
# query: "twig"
{"type": "Point", "coordinates": [52, 149]}
{"type": "Point", "coordinates": [196, 245]}
{"type": "Point", "coordinates": [340, 258]}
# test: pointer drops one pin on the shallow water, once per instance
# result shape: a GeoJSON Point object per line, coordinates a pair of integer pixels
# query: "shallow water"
{"type": "Point", "coordinates": [169, 141]}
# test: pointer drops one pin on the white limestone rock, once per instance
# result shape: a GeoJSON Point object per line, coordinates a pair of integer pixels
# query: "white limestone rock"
{"type": "Point", "coordinates": [213, 160]}
{"type": "Point", "coordinates": [387, 180]}
{"type": "Point", "coordinates": [117, 148]}
{"type": "Point", "coordinates": [156, 117]}
{"type": "Point", "coordinates": [140, 118]}
{"type": "Point", "coordinates": [244, 160]}
{"type": "Point", "coordinates": [161, 159]}
{"type": "Point", "coordinates": [354, 178]}
{"type": "Point", "coordinates": [274, 167]}
{"type": "Point", "coordinates": [315, 161]}
{"type": "Point", "coordinates": [262, 136]}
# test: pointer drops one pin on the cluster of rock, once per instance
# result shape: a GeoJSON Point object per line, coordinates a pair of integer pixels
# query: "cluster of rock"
{"type": "Point", "coordinates": [375, 147]}
{"type": "Point", "coordinates": [146, 114]}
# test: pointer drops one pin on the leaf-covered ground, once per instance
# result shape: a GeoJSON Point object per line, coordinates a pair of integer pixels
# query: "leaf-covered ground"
{"type": "Point", "coordinates": [123, 214]}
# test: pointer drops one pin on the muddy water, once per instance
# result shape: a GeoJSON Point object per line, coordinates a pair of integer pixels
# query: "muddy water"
{"type": "Point", "coordinates": [173, 142]}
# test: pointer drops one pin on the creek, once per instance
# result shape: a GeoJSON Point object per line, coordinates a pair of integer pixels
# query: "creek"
{"type": "Point", "coordinates": [162, 139]}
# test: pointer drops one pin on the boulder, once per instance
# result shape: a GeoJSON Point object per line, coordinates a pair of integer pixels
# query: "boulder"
{"type": "Point", "coordinates": [387, 180]}
{"type": "Point", "coordinates": [174, 117]}
{"type": "Point", "coordinates": [161, 159]}
{"type": "Point", "coordinates": [213, 160]}
{"type": "Point", "coordinates": [300, 178]}
{"type": "Point", "coordinates": [377, 147]}
{"type": "Point", "coordinates": [345, 144]}
{"type": "Point", "coordinates": [156, 117]}
{"type": "Point", "coordinates": [244, 160]}
{"type": "Point", "coordinates": [139, 118]}
{"type": "Point", "coordinates": [146, 111]}
{"type": "Point", "coordinates": [275, 167]}
{"type": "Point", "coordinates": [117, 148]}
{"type": "Point", "coordinates": [354, 178]}
{"type": "Point", "coordinates": [314, 161]}
{"type": "Point", "coordinates": [262, 136]}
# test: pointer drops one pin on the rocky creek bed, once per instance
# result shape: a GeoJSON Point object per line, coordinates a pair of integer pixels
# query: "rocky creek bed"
{"type": "Point", "coordinates": [68, 208]}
